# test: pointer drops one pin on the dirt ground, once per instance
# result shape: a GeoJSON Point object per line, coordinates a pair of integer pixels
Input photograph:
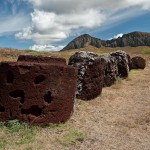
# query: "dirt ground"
{"type": "Point", "coordinates": [119, 119]}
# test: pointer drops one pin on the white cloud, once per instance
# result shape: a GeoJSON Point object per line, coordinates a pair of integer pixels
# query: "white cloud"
{"type": "Point", "coordinates": [118, 35]}
{"type": "Point", "coordinates": [13, 19]}
{"type": "Point", "coordinates": [65, 6]}
{"type": "Point", "coordinates": [55, 20]}
{"type": "Point", "coordinates": [48, 27]}
{"type": "Point", "coordinates": [26, 34]}
{"type": "Point", "coordinates": [13, 23]}
{"type": "Point", "coordinates": [46, 47]}
{"type": "Point", "coordinates": [144, 4]}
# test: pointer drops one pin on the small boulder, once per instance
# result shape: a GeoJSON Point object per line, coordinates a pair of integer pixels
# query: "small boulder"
{"type": "Point", "coordinates": [138, 63]}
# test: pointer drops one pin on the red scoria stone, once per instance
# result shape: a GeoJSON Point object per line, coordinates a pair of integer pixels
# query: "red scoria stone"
{"type": "Point", "coordinates": [37, 93]}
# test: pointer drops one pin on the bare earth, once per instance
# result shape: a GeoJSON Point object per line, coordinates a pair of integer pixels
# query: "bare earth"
{"type": "Point", "coordinates": [119, 119]}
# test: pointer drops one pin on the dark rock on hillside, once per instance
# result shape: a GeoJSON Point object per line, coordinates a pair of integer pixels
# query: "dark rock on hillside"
{"type": "Point", "coordinates": [133, 39]}
{"type": "Point", "coordinates": [90, 74]}
{"type": "Point", "coordinates": [123, 62]}
{"type": "Point", "coordinates": [138, 63]}
{"type": "Point", "coordinates": [110, 70]}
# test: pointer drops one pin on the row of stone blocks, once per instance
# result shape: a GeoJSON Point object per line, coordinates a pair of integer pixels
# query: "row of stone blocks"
{"type": "Point", "coordinates": [41, 90]}
{"type": "Point", "coordinates": [37, 90]}
{"type": "Point", "coordinates": [98, 71]}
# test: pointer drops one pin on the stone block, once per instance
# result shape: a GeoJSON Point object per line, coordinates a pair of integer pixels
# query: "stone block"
{"type": "Point", "coordinates": [37, 93]}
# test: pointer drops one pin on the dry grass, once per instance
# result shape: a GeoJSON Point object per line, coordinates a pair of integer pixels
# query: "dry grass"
{"type": "Point", "coordinates": [119, 119]}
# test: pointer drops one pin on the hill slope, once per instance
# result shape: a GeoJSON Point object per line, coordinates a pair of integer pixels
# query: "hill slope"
{"type": "Point", "coordinates": [133, 39]}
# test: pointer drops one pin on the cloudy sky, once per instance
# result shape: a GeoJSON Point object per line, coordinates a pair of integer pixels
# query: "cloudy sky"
{"type": "Point", "coordinates": [51, 24]}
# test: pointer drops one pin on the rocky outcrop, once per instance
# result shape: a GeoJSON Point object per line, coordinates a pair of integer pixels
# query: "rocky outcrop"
{"type": "Point", "coordinates": [138, 62]}
{"type": "Point", "coordinates": [90, 74]}
{"type": "Point", "coordinates": [83, 41]}
{"type": "Point", "coordinates": [37, 90]}
{"type": "Point", "coordinates": [133, 39]}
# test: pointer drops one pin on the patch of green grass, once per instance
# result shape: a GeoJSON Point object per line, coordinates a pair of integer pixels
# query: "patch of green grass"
{"type": "Point", "coordinates": [71, 137]}
{"type": "Point", "coordinates": [134, 72]}
{"type": "Point", "coordinates": [14, 133]}
{"type": "Point", "coordinates": [14, 126]}
{"type": "Point", "coordinates": [79, 101]}
{"type": "Point", "coordinates": [146, 50]}
{"type": "Point", "coordinates": [3, 143]}
{"type": "Point", "coordinates": [2, 124]}
{"type": "Point", "coordinates": [119, 80]}
{"type": "Point", "coordinates": [28, 148]}
{"type": "Point", "coordinates": [55, 126]}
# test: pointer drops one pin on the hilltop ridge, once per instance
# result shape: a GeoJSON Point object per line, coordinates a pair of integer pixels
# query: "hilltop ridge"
{"type": "Point", "coordinates": [132, 39]}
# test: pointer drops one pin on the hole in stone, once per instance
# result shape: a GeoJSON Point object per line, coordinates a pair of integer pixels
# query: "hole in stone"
{"type": "Point", "coordinates": [10, 112]}
{"type": "Point", "coordinates": [34, 110]}
{"type": "Point", "coordinates": [2, 109]}
{"type": "Point", "coordinates": [10, 77]}
{"type": "Point", "coordinates": [52, 111]}
{"type": "Point", "coordinates": [39, 79]}
{"type": "Point", "coordinates": [24, 69]}
{"type": "Point", "coordinates": [18, 93]}
{"type": "Point", "coordinates": [29, 119]}
{"type": "Point", "coordinates": [48, 97]}
{"type": "Point", "coordinates": [20, 106]}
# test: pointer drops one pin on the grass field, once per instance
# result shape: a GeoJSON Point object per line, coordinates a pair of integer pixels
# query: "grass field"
{"type": "Point", "coordinates": [119, 119]}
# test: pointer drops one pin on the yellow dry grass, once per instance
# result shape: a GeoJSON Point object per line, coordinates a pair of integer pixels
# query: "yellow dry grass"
{"type": "Point", "coordinates": [119, 119]}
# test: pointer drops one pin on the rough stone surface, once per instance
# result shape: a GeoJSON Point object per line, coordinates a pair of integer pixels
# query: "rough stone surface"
{"type": "Point", "coordinates": [36, 93]}
{"type": "Point", "coordinates": [123, 62]}
{"type": "Point", "coordinates": [90, 74]}
{"type": "Point", "coordinates": [38, 59]}
{"type": "Point", "coordinates": [110, 70]}
{"type": "Point", "coordinates": [133, 39]}
{"type": "Point", "coordinates": [138, 63]}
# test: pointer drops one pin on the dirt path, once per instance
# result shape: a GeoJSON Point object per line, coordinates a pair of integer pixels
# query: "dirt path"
{"type": "Point", "coordinates": [120, 118]}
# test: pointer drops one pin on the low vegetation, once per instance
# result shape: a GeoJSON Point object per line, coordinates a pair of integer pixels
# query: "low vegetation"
{"type": "Point", "coordinates": [14, 134]}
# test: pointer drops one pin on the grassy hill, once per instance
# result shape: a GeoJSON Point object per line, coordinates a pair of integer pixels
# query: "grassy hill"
{"type": "Point", "coordinates": [7, 54]}
{"type": "Point", "coordinates": [119, 119]}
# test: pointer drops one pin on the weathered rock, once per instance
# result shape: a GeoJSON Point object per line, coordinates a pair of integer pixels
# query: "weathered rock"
{"type": "Point", "coordinates": [111, 70]}
{"type": "Point", "coordinates": [90, 74]}
{"type": "Point", "coordinates": [123, 60]}
{"type": "Point", "coordinates": [38, 59]}
{"type": "Point", "coordinates": [36, 93]}
{"type": "Point", "coordinates": [138, 62]}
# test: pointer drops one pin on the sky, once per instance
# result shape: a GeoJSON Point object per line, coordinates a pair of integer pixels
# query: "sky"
{"type": "Point", "coordinates": [48, 25]}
